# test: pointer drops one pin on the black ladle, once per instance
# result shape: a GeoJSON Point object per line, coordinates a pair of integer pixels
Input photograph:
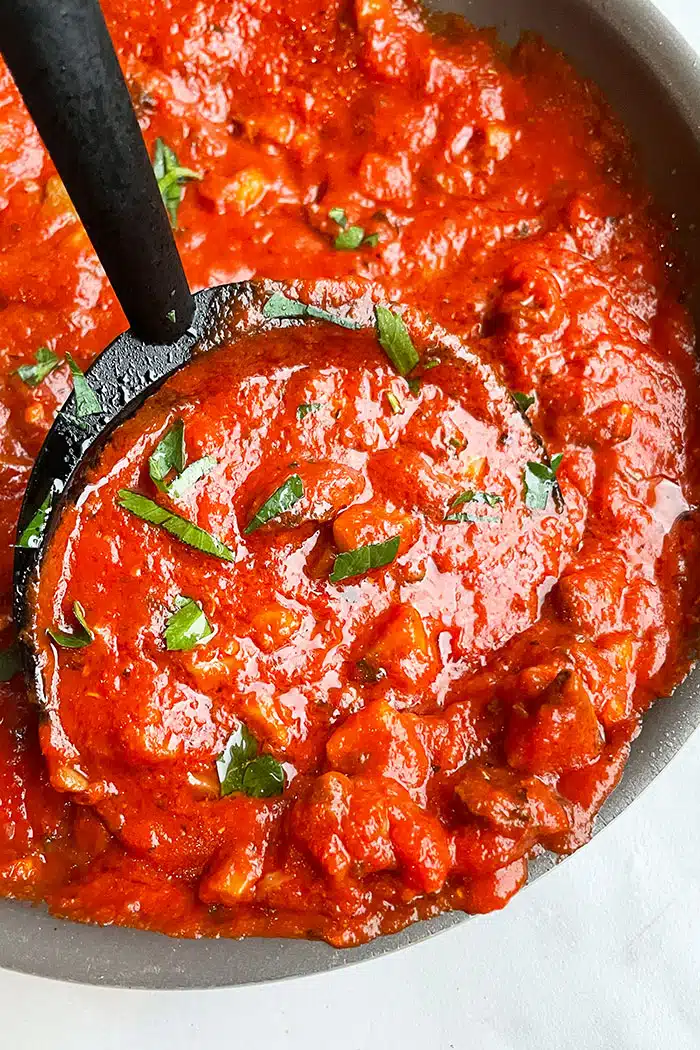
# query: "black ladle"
{"type": "Point", "coordinates": [63, 62]}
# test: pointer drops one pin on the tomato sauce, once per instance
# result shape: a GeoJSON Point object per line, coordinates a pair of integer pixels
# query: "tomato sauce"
{"type": "Point", "coordinates": [414, 730]}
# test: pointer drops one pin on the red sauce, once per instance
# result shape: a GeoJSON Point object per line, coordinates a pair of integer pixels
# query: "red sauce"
{"type": "Point", "coordinates": [440, 718]}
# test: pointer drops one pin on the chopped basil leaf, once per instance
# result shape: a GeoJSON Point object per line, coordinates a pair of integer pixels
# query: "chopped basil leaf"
{"type": "Point", "coordinates": [34, 532]}
{"type": "Point", "coordinates": [10, 662]}
{"type": "Point", "coordinates": [473, 519]}
{"type": "Point", "coordinates": [364, 559]}
{"type": "Point", "coordinates": [310, 406]}
{"type": "Point", "coordinates": [240, 768]}
{"type": "Point", "coordinates": [395, 340]}
{"type": "Point", "coordinates": [179, 527]}
{"type": "Point", "coordinates": [394, 403]}
{"type": "Point", "coordinates": [76, 639]}
{"type": "Point", "coordinates": [190, 476]}
{"type": "Point", "coordinates": [280, 306]}
{"type": "Point", "coordinates": [171, 178]}
{"type": "Point", "coordinates": [523, 401]}
{"type": "Point", "coordinates": [46, 361]}
{"type": "Point", "coordinates": [490, 499]}
{"type": "Point", "coordinates": [338, 216]}
{"type": "Point", "coordinates": [169, 454]}
{"type": "Point", "coordinates": [350, 238]}
{"type": "Point", "coordinates": [263, 777]}
{"type": "Point", "coordinates": [470, 496]}
{"type": "Point", "coordinates": [283, 498]}
{"type": "Point", "coordinates": [431, 362]}
{"type": "Point", "coordinates": [414, 386]}
{"type": "Point", "coordinates": [241, 748]}
{"type": "Point", "coordinates": [188, 626]}
{"type": "Point", "coordinates": [87, 402]}
{"type": "Point", "coordinates": [540, 480]}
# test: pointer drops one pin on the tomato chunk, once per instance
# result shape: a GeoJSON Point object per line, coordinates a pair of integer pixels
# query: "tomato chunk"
{"type": "Point", "coordinates": [561, 733]}
{"type": "Point", "coordinates": [382, 741]}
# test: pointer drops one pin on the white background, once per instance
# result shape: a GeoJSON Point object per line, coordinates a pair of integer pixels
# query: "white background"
{"type": "Point", "coordinates": [601, 954]}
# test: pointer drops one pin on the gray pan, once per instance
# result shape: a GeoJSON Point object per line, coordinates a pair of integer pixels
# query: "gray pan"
{"type": "Point", "coordinates": [652, 79]}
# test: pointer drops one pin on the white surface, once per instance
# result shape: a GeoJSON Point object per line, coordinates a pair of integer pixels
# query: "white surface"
{"type": "Point", "coordinates": [601, 954]}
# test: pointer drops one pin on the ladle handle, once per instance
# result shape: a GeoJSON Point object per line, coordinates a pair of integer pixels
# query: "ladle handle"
{"type": "Point", "coordinates": [63, 62]}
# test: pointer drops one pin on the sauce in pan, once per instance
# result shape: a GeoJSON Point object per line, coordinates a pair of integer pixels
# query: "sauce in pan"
{"type": "Point", "coordinates": [347, 624]}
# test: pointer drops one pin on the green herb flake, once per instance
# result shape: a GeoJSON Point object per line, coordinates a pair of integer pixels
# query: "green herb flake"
{"type": "Point", "coordinates": [394, 403]}
{"type": "Point", "coordinates": [523, 401]}
{"type": "Point", "coordinates": [263, 777]}
{"type": "Point", "coordinates": [34, 533]}
{"type": "Point", "coordinates": [46, 360]}
{"type": "Point", "coordinates": [472, 519]}
{"type": "Point", "coordinates": [364, 559]}
{"type": "Point", "coordinates": [311, 406]}
{"type": "Point", "coordinates": [414, 385]}
{"type": "Point", "coordinates": [540, 480]}
{"type": "Point", "coordinates": [241, 769]}
{"type": "Point", "coordinates": [190, 476]}
{"type": "Point", "coordinates": [76, 639]}
{"type": "Point", "coordinates": [188, 626]}
{"type": "Point", "coordinates": [179, 527]}
{"type": "Point", "coordinates": [87, 402]}
{"type": "Point", "coordinates": [350, 238]}
{"type": "Point", "coordinates": [171, 178]}
{"type": "Point", "coordinates": [471, 496]}
{"type": "Point", "coordinates": [282, 499]}
{"type": "Point", "coordinates": [169, 454]}
{"type": "Point", "coordinates": [395, 340]}
{"type": "Point", "coordinates": [280, 306]}
{"type": "Point", "coordinates": [241, 748]}
{"type": "Point", "coordinates": [371, 240]}
{"type": "Point", "coordinates": [431, 362]}
{"type": "Point", "coordinates": [10, 662]}
{"type": "Point", "coordinates": [338, 216]}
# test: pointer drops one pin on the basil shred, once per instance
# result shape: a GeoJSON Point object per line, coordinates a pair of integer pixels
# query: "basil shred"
{"type": "Point", "coordinates": [177, 526]}
{"type": "Point", "coordinates": [240, 768]}
{"type": "Point", "coordinates": [364, 559]}
{"type": "Point", "coordinates": [282, 499]}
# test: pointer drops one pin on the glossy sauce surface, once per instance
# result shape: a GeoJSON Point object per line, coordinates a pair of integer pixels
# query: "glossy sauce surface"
{"type": "Point", "coordinates": [442, 717]}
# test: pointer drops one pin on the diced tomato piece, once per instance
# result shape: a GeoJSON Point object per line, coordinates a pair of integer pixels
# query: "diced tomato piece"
{"type": "Point", "coordinates": [493, 891]}
{"type": "Point", "coordinates": [386, 179]}
{"type": "Point", "coordinates": [421, 843]}
{"type": "Point", "coordinates": [381, 741]}
{"type": "Point", "coordinates": [405, 650]}
{"type": "Point", "coordinates": [480, 850]}
{"type": "Point", "coordinates": [233, 876]}
{"type": "Point", "coordinates": [374, 522]}
{"type": "Point", "coordinates": [509, 801]}
{"type": "Point", "coordinates": [362, 825]}
{"type": "Point", "coordinates": [561, 733]}
{"type": "Point", "coordinates": [274, 626]}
